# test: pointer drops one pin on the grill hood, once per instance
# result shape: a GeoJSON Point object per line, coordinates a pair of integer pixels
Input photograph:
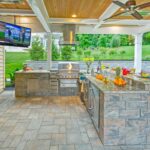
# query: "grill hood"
{"type": "Point", "coordinates": [68, 35]}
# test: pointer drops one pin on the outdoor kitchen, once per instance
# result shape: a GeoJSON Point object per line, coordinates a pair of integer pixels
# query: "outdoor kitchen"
{"type": "Point", "coordinates": [118, 112]}
{"type": "Point", "coordinates": [74, 75]}
{"type": "Point", "coordinates": [59, 82]}
{"type": "Point", "coordinates": [116, 98]}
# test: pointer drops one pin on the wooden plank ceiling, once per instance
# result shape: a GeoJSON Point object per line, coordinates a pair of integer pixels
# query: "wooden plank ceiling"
{"type": "Point", "coordinates": [144, 12]}
{"type": "Point", "coordinates": [23, 5]}
{"type": "Point", "coordinates": [82, 8]}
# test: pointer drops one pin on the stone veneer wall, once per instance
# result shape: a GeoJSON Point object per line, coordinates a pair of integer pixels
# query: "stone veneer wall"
{"type": "Point", "coordinates": [36, 84]}
{"type": "Point", "coordinates": [128, 64]}
{"type": "Point", "coordinates": [125, 119]}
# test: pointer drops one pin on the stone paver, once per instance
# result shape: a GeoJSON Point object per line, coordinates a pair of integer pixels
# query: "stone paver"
{"type": "Point", "coordinates": [48, 123]}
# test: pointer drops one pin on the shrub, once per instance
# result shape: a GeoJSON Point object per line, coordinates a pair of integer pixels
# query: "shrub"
{"type": "Point", "coordinates": [112, 52]}
{"type": "Point", "coordinates": [79, 52]}
{"type": "Point", "coordinates": [87, 53]}
{"type": "Point", "coordinates": [122, 52]}
{"type": "Point", "coordinates": [103, 50]}
{"type": "Point", "coordinates": [37, 51]}
{"type": "Point", "coordinates": [115, 42]}
{"type": "Point", "coordinates": [66, 53]}
{"type": "Point", "coordinates": [96, 56]}
{"type": "Point", "coordinates": [55, 54]}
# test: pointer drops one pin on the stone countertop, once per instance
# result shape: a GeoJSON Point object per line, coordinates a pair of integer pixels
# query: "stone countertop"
{"type": "Point", "coordinates": [139, 79]}
{"type": "Point", "coordinates": [131, 76]}
{"type": "Point", "coordinates": [111, 88]}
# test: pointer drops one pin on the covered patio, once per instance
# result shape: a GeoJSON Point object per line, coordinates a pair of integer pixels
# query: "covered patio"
{"type": "Point", "coordinates": [36, 117]}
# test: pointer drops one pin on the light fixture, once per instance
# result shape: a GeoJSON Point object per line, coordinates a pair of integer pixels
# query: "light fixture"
{"type": "Point", "coordinates": [74, 16]}
{"type": "Point", "coordinates": [122, 9]}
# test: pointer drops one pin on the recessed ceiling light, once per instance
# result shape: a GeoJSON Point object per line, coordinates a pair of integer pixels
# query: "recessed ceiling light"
{"type": "Point", "coordinates": [74, 16]}
{"type": "Point", "coordinates": [122, 9]}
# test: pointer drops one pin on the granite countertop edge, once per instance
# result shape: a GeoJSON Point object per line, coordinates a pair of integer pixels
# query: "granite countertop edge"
{"type": "Point", "coordinates": [111, 88]}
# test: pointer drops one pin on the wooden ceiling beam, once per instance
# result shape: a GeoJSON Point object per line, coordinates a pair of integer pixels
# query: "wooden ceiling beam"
{"type": "Point", "coordinates": [144, 29]}
{"type": "Point", "coordinates": [16, 12]}
{"type": "Point", "coordinates": [73, 21]}
{"type": "Point", "coordinates": [108, 13]}
{"type": "Point", "coordinates": [38, 8]}
{"type": "Point", "coordinates": [128, 22]}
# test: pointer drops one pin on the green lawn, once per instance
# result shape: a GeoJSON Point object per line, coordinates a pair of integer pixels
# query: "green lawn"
{"type": "Point", "coordinates": [128, 55]}
{"type": "Point", "coordinates": [15, 60]}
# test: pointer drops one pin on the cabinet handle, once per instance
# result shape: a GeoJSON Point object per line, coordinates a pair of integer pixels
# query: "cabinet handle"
{"type": "Point", "coordinates": [91, 106]}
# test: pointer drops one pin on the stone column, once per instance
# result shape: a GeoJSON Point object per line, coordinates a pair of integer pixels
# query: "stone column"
{"type": "Point", "coordinates": [138, 52]}
{"type": "Point", "coordinates": [49, 50]}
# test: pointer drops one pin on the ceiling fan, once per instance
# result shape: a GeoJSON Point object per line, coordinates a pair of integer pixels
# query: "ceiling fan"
{"type": "Point", "coordinates": [130, 8]}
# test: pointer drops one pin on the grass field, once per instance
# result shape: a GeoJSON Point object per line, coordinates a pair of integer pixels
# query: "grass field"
{"type": "Point", "coordinates": [128, 55]}
{"type": "Point", "coordinates": [15, 60]}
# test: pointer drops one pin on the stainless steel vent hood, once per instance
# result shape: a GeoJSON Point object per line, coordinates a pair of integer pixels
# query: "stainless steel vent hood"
{"type": "Point", "coordinates": [68, 35]}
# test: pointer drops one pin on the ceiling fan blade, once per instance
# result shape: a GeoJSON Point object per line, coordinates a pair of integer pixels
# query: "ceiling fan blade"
{"type": "Point", "coordinates": [120, 4]}
{"type": "Point", "coordinates": [142, 6]}
{"type": "Point", "coordinates": [137, 15]}
{"type": "Point", "coordinates": [115, 15]}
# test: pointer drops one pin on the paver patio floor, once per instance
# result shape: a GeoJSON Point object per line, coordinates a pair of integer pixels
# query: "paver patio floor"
{"type": "Point", "coordinates": [48, 123]}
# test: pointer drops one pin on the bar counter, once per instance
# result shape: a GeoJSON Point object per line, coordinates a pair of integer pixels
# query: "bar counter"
{"type": "Point", "coordinates": [132, 79]}
{"type": "Point", "coordinates": [123, 113]}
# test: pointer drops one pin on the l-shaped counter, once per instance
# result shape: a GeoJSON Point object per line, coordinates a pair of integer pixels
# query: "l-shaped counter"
{"type": "Point", "coordinates": [121, 115]}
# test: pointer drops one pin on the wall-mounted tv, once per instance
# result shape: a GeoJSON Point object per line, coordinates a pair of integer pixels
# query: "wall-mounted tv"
{"type": "Point", "coordinates": [14, 35]}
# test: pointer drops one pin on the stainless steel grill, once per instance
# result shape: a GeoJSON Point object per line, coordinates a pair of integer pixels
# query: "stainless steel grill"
{"type": "Point", "coordinates": [68, 78]}
{"type": "Point", "coordinates": [68, 70]}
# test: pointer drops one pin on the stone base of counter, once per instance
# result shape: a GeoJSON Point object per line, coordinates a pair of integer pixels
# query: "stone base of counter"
{"type": "Point", "coordinates": [42, 84]}
{"type": "Point", "coordinates": [36, 84]}
{"type": "Point", "coordinates": [125, 119]}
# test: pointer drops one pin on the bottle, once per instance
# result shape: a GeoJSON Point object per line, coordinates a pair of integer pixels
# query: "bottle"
{"type": "Point", "coordinates": [92, 72]}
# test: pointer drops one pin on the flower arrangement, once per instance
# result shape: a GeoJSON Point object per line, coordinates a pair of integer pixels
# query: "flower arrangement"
{"type": "Point", "coordinates": [88, 61]}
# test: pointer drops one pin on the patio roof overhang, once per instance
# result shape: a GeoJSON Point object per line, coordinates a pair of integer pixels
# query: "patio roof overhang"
{"type": "Point", "coordinates": [88, 16]}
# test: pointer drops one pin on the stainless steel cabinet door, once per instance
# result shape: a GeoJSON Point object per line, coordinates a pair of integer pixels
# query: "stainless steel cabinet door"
{"type": "Point", "coordinates": [95, 102]}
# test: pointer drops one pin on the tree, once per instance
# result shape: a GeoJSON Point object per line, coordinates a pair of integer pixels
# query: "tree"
{"type": "Point", "coordinates": [115, 41]}
{"type": "Point", "coordinates": [79, 53]}
{"type": "Point", "coordinates": [55, 54]}
{"type": "Point", "coordinates": [102, 41]}
{"type": "Point", "coordinates": [66, 53]}
{"type": "Point", "coordinates": [85, 40]}
{"type": "Point", "coordinates": [131, 40]}
{"type": "Point", "coordinates": [124, 40]}
{"type": "Point", "coordinates": [37, 51]}
{"type": "Point", "coordinates": [146, 38]}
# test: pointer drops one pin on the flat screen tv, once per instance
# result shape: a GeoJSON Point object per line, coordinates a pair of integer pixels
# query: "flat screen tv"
{"type": "Point", "coordinates": [14, 35]}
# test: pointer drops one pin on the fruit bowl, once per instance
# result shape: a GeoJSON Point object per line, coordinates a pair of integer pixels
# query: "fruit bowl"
{"type": "Point", "coordinates": [119, 81]}
{"type": "Point", "coordinates": [100, 77]}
